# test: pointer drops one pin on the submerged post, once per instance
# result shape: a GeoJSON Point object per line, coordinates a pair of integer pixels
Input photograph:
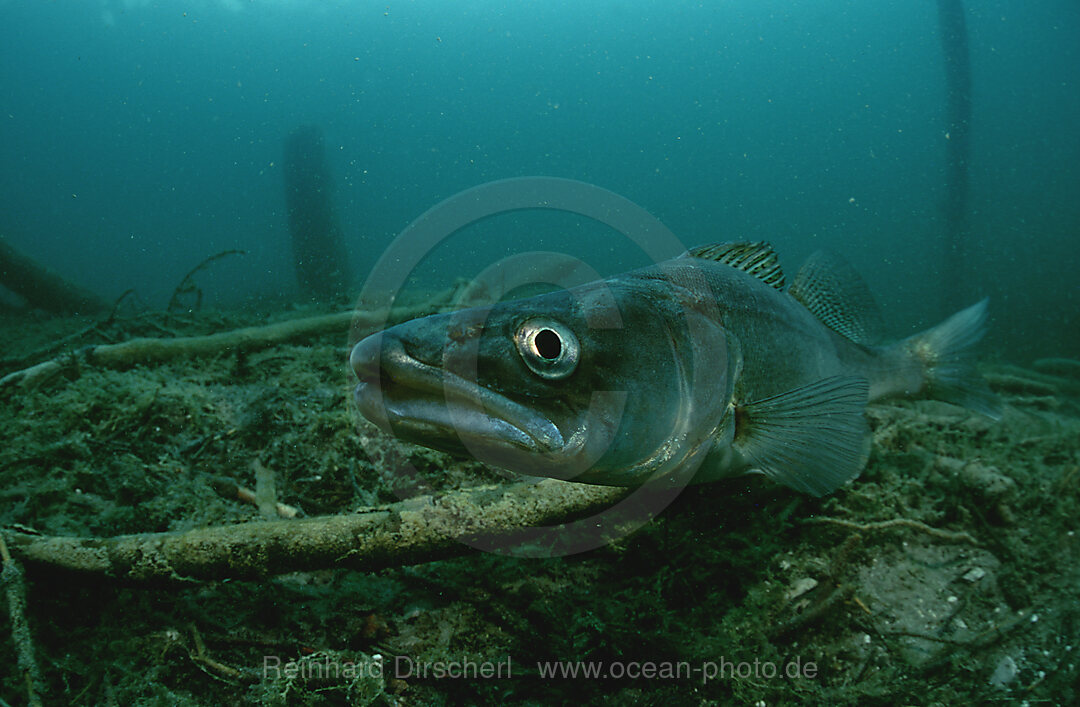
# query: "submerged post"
{"type": "Point", "coordinates": [317, 238]}
{"type": "Point", "coordinates": [954, 45]}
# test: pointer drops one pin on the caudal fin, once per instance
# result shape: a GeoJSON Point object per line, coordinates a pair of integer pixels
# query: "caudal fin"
{"type": "Point", "coordinates": [948, 356]}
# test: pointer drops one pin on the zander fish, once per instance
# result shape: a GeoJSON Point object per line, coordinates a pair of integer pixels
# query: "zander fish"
{"type": "Point", "coordinates": [702, 367]}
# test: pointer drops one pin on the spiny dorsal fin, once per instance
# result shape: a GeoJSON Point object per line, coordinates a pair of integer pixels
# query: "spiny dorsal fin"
{"type": "Point", "coordinates": [757, 259]}
{"type": "Point", "coordinates": [812, 439]}
{"type": "Point", "coordinates": [830, 288]}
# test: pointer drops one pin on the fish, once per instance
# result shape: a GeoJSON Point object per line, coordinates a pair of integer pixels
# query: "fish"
{"type": "Point", "coordinates": [695, 369]}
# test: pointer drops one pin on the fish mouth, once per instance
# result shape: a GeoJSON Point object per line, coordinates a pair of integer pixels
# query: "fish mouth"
{"type": "Point", "coordinates": [437, 408]}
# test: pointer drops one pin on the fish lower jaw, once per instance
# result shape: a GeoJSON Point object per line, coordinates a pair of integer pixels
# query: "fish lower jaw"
{"type": "Point", "coordinates": [453, 424]}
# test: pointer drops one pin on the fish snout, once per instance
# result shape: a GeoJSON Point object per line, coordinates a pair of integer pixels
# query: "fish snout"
{"type": "Point", "coordinates": [365, 357]}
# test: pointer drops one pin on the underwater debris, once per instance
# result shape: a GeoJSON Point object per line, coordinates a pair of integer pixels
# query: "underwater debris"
{"type": "Point", "coordinates": [202, 658]}
{"type": "Point", "coordinates": [1053, 379]}
{"type": "Point", "coordinates": [318, 240]}
{"type": "Point", "coordinates": [227, 488]}
{"type": "Point", "coordinates": [1064, 367]}
{"type": "Point", "coordinates": [800, 587]}
{"type": "Point", "coordinates": [1005, 672]}
{"type": "Point", "coordinates": [947, 535]}
{"type": "Point", "coordinates": [974, 575]}
{"type": "Point", "coordinates": [15, 588]}
{"type": "Point", "coordinates": [1017, 385]}
{"type": "Point", "coordinates": [187, 284]}
{"type": "Point", "coordinates": [421, 529]}
{"type": "Point", "coordinates": [153, 350]}
{"type": "Point", "coordinates": [985, 481]}
{"type": "Point", "coordinates": [42, 288]}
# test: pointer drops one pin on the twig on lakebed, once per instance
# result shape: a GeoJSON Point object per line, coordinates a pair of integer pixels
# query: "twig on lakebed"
{"type": "Point", "coordinates": [187, 285]}
{"type": "Point", "coordinates": [227, 488]}
{"type": "Point", "coordinates": [947, 535]}
{"type": "Point", "coordinates": [15, 589]}
{"type": "Point", "coordinates": [159, 350]}
{"type": "Point", "coordinates": [420, 529]}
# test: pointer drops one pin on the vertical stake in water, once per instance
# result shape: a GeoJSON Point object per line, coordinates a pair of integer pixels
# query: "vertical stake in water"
{"type": "Point", "coordinates": [317, 237]}
{"type": "Point", "coordinates": [954, 45]}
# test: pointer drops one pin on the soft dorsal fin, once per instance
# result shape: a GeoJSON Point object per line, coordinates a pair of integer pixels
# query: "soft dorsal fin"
{"type": "Point", "coordinates": [830, 288]}
{"type": "Point", "coordinates": [812, 439]}
{"type": "Point", "coordinates": [757, 259]}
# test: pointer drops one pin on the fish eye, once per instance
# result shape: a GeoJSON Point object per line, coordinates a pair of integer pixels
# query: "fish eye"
{"type": "Point", "coordinates": [548, 348]}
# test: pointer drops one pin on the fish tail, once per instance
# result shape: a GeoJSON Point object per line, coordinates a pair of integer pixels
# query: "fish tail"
{"type": "Point", "coordinates": [947, 356]}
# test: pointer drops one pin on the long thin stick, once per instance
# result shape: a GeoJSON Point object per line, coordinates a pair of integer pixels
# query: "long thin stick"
{"type": "Point", "coordinates": [12, 579]}
{"type": "Point", "coordinates": [421, 529]}
{"type": "Point", "coordinates": [947, 535]}
{"type": "Point", "coordinates": [152, 350]}
{"type": "Point", "coordinates": [187, 285]}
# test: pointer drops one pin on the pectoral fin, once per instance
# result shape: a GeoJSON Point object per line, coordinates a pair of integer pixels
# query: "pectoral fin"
{"type": "Point", "coordinates": [812, 439]}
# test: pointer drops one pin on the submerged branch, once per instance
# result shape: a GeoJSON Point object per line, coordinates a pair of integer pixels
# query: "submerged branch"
{"type": "Point", "coordinates": [15, 587]}
{"type": "Point", "coordinates": [187, 285]}
{"type": "Point", "coordinates": [946, 535]}
{"type": "Point", "coordinates": [417, 530]}
{"type": "Point", "coordinates": [159, 350]}
{"type": "Point", "coordinates": [43, 288]}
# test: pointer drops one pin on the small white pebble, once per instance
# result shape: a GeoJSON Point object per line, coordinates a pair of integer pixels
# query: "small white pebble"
{"type": "Point", "coordinates": [974, 574]}
{"type": "Point", "coordinates": [1005, 672]}
{"type": "Point", "coordinates": [952, 600]}
{"type": "Point", "coordinates": [801, 586]}
{"type": "Point", "coordinates": [866, 638]}
{"type": "Point", "coordinates": [1034, 618]}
